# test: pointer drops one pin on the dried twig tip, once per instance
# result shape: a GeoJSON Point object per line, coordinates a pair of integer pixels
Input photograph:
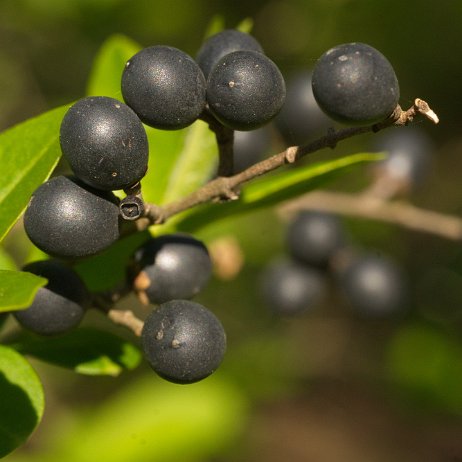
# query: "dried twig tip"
{"type": "Point", "coordinates": [424, 109]}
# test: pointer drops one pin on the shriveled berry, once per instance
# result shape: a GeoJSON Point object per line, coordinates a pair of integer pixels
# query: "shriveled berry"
{"type": "Point", "coordinates": [66, 218]}
{"type": "Point", "coordinates": [355, 84]}
{"type": "Point", "coordinates": [60, 305]}
{"type": "Point", "coordinates": [245, 90]}
{"type": "Point", "coordinates": [173, 266]}
{"type": "Point", "coordinates": [221, 44]}
{"type": "Point", "coordinates": [105, 143]}
{"type": "Point", "coordinates": [289, 288]}
{"type": "Point", "coordinates": [183, 341]}
{"type": "Point", "coordinates": [165, 87]}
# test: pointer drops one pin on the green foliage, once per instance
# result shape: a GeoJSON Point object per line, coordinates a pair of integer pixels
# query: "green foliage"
{"type": "Point", "coordinates": [22, 400]}
{"type": "Point", "coordinates": [18, 289]}
{"type": "Point", "coordinates": [86, 351]}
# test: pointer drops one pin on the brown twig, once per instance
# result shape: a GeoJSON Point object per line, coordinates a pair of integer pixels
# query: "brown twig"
{"type": "Point", "coordinates": [227, 187]}
{"type": "Point", "coordinates": [127, 319]}
{"type": "Point", "coordinates": [366, 206]}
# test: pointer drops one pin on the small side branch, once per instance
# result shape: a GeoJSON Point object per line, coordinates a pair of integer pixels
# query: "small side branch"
{"type": "Point", "coordinates": [127, 319]}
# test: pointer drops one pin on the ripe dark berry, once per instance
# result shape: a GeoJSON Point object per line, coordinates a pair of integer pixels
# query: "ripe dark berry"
{"type": "Point", "coordinates": [314, 237]}
{"type": "Point", "coordinates": [408, 155]}
{"type": "Point", "coordinates": [290, 288]}
{"type": "Point", "coordinates": [221, 44]}
{"type": "Point", "coordinates": [173, 266]}
{"type": "Point", "coordinates": [105, 143]}
{"type": "Point", "coordinates": [301, 117]}
{"type": "Point", "coordinates": [250, 147]}
{"type": "Point", "coordinates": [60, 305]}
{"type": "Point", "coordinates": [66, 218]}
{"type": "Point", "coordinates": [245, 90]}
{"type": "Point", "coordinates": [374, 286]}
{"type": "Point", "coordinates": [355, 84]}
{"type": "Point", "coordinates": [165, 87]}
{"type": "Point", "coordinates": [183, 341]}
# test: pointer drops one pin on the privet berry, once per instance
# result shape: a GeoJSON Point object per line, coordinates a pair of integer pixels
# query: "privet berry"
{"type": "Point", "coordinates": [183, 341]}
{"type": "Point", "coordinates": [221, 44]}
{"type": "Point", "coordinates": [301, 117]}
{"type": "Point", "coordinates": [245, 90]}
{"type": "Point", "coordinates": [374, 286]}
{"type": "Point", "coordinates": [355, 84]}
{"type": "Point", "coordinates": [165, 87]}
{"type": "Point", "coordinates": [290, 288]}
{"type": "Point", "coordinates": [60, 305]}
{"type": "Point", "coordinates": [314, 237]}
{"type": "Point", "coordinates": [173, 266]}
{"type": "Point", "coordinates": [250, 147]}
{"type": "Point", "coordinates": [66, 218]}
{"type": "Point", "coordinates": [105, 143]}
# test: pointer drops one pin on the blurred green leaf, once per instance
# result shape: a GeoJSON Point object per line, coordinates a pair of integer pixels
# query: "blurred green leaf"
{"type": "Point", "coordinates": [6, 261]}
{"type": "Point", "coordinates": [86, 351]}
{"type": "Point", "coordinates": [108, 66]}
{"type": "Point", "coordinates": [246, 25]}
{"type": "Point", "coordinates": [22, 401]}
{"type": "Point", "coordinates": [427, 365]}
{"type": "Point", "coordinates": [18, 289]}
{"type": "Point", "coordinates": [153, 420]}
{"type": "Point", "coordinates": [273, 189]}
{"type": "Point", "coordinates": [28, 154]}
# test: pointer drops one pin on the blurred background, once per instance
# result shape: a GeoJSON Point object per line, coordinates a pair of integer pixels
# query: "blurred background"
{"type": "Point", "coordinates": [328, 385]}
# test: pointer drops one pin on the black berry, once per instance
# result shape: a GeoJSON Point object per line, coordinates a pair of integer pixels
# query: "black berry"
{"type": "Point", "coordinates": [173, 266]}
{"type": "Point", "coordinates": [355, 84]}
{"type": "Point", "coordinates": [105, 143]}
{"type": "Point", "coordinates": [245, 90]}
{"type": "Point", "coordinates": [314, 237]}
{"type": "Point", "coordinates": [66, 218]}
{"type": "Point", "coordinates": [290, 288]}
{"type": "Point", "coordinates": [250, 147]}
{"type": "Point", "coordinates": [183, 341]}
{"type": "Point", "coordinates": [60, 305]}
{"type": "Point", "coordinates": [221, 44]}
{"type": "Point", "coordinates": [374, 286]}
{"type": "Point", "coordinates": [301, 117]}
{"type": "Point", "coordinates": [165, 87]}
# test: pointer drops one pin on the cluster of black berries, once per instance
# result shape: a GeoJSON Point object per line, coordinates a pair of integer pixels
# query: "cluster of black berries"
{"type": "Point", "coordinates": [105, 144]}
{"type": "Point", "coordinates": [371, 284]}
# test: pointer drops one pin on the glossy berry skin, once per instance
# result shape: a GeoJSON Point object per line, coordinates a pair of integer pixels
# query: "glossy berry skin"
{"type": "Point", "coordinates": [300, 118]}
{"type": "Point", "coordinates": [173, 266]}
{"type": "Point", "coordinates": [221, 44]}
{"type": "Point", "coordinates": [60, 305]}
{"type": "Point", "coordinates": [314, 237]}
{"type": "Point", "coordinates": [289, 288]}
{"type": "Point", "coordinates": [355, 84]}
{"type": "Point", "coordinates": [105, 143]}
{"type": "Point", "coordinates": [245, 90]}
{"type": "Point", "coordinates": [66, 218]}
{"type": "Point", "coordinates": [165, 87]}
{"type": "Point", "coordinates": [183, 341]}
{"type": "Point", "coordinates": [374, 286]}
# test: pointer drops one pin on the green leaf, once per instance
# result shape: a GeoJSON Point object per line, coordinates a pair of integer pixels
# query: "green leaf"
{"type": "Point", "coordinates": [22, 401]}
{"type": "Point", "coordinates": [246, 25]}
{"type": "Point", "coordinates": [152, 420]}
{"type": "Point", "coordinates": [18, 289]}
{"type": "Point", "coordinates": [109, 269]}
{"type": "Point", "coordinates": [6, 261]}
{"type": "Point", "coordinates": [195, 163]}
{"type": "Point", "coordinates": [109, 64]}
{"type": "Point", "coordinates": [28, 154]}
{"type": "Point", "coordinates": [271, 190]}
{"type": "Point", "coordinates": [86, 351]}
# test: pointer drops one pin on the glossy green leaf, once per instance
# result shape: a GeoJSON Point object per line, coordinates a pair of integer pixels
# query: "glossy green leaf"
{"type": "Point", "coordinates": [28, 154]}
{"type": "Point", "coordinates": [22, 401]}
{"type": "Point", "coordinates": [152, 420]}
{"type": "Point", "coordinates": [18, 289]}
{"type": "Point", "coordinates": [86, 351]}
{"type": "Point", "coordinates": [273, 189]}
{"type": "Point", "coordinates": [109, 64]}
